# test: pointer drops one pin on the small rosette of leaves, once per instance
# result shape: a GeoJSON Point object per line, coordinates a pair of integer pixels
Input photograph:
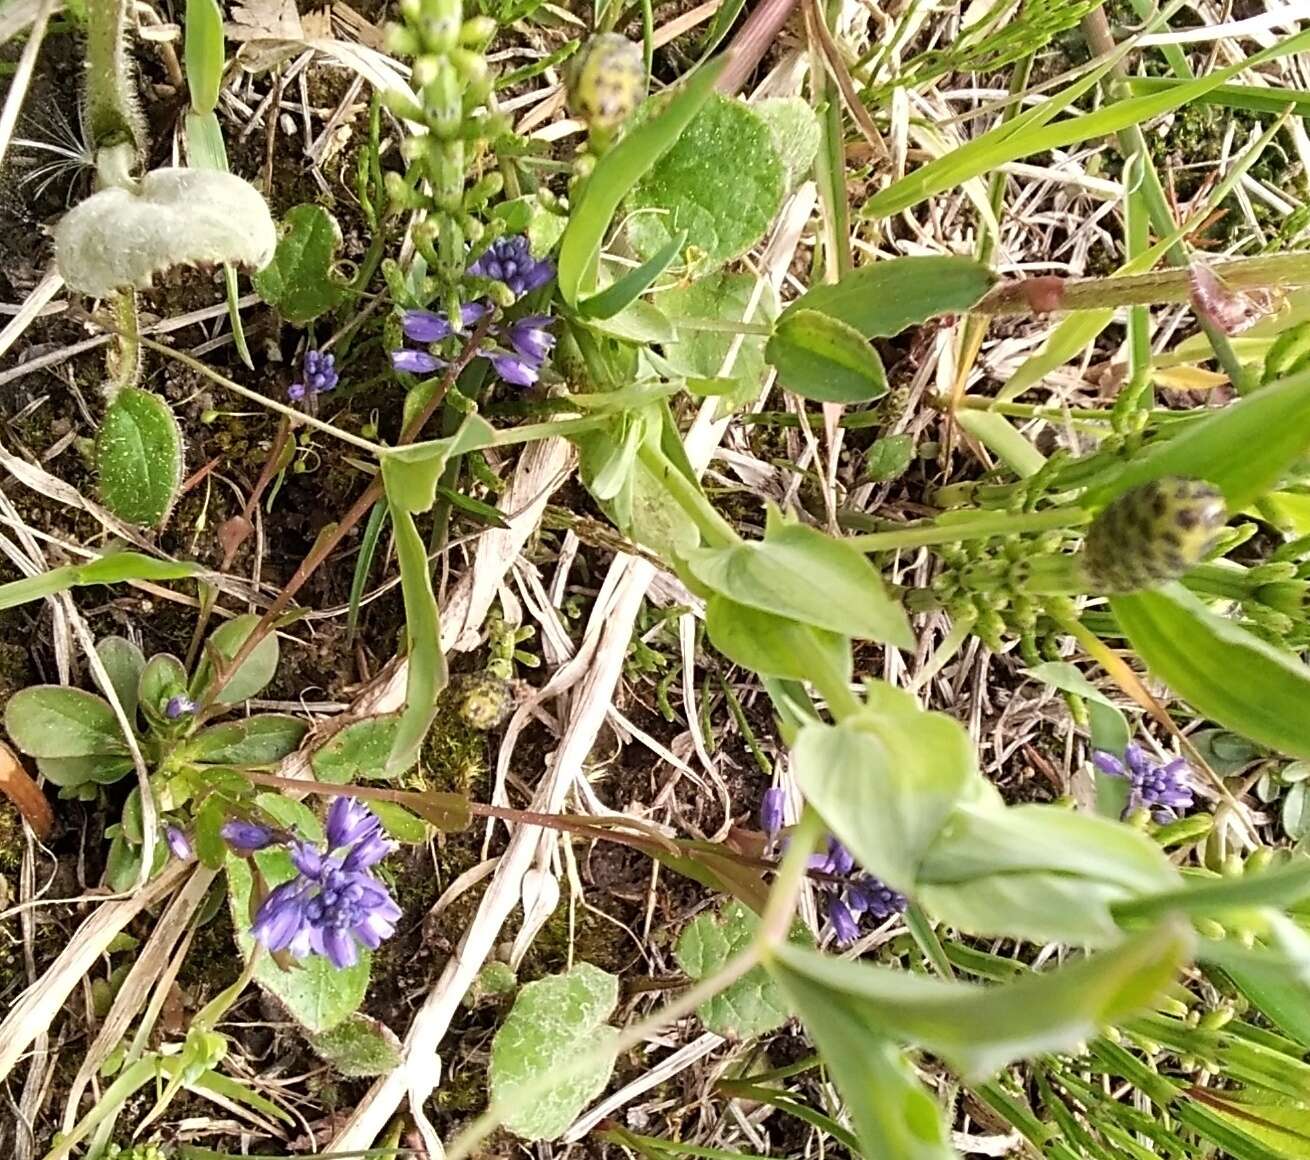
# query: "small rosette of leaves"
{"type": "Point", "coordinates": [1152, 534]}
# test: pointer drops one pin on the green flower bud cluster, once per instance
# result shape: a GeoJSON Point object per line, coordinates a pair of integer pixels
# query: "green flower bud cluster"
{"type": "Point", "coordinates": [985, 579]}
{"type": "Point", "coordinates": [1152, 534]}
{"type": "Point", "coordinates": [451, 127]}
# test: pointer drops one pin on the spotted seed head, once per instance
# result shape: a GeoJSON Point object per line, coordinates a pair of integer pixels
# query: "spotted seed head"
{"type": "Point", "coordinates": [1152, 534]}
{"type": "Point", "coordinates": [606, 81]}
{"type": "Point", "coordinates": [485, 701]}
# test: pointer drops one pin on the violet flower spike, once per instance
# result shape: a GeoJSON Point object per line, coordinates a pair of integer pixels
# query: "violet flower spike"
{"type": "Point", "coordinates": [334, 905]}
{"type": "Point", "coordinates": [179, 844]}
{"type": "Point", "coordinates": [509, 260]}
{"type": "Point", "coordinates": [1165, 789]}
{"type": "Point", "coordinates": [318, 374]}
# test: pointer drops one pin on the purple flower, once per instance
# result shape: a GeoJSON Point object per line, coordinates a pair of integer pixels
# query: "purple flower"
{"type": "Point", "coordinates": [531, 338]}
{"type": "Point", "coordinates": [178, 843]}
{"type": "Point", "coordinates": [1166, 790]}
{"type": "Point", "coordinates": [771, 811]}
{"type": "Point", "coordinates": [520, 372]}
{"type": "Point", "coordinates": [415, 362]}
{"type": "Point", "coordinates": [871, 896]}
{"type": "Point", "coordinates": [318, 374]}
{"type": "Point", "coordinates": [246, 837]}
{"type": "Point", "coordinates": [334, 905]}
{"type": "Point", "coordinates": [844, 927]}
{"type": "Point", "coordinates": [430, 326]}
{"type": "Point", "coordinates": [510, 260]}
{"type": "Point", "coordinates": [179, 706]}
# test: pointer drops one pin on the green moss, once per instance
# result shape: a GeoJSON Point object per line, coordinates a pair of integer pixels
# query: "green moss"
{"type": "Point", "coordinates": [12, 842]}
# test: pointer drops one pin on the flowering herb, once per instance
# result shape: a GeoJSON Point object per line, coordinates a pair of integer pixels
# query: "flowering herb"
{"type": "Point", "coordinates": [850, 893]}
{"type": "Point", "coordinates": [1163, 788]}
{"type": "Point", "coordinates": [334, 905]}
{"type": "Point", "coordinates": [247, 837]}
{"type": "Point", "coordinates": [318, 374]}
{"type": "Point", "coordinates": [517, 350]}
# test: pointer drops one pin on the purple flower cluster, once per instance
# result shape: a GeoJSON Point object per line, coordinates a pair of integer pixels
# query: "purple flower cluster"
{"type": "Point", "coordinates": [517, 350]}
{"type": "Point", "coordinates": [852, 895]}
{"type": "Point", "coordinates": [334, 905]}
{"type": "Point", "coordinates": [318, 374]}
{"type": "Point", "coordinates": [510, 260]}
{"type": "Point", "coordinates": [1166, 790]}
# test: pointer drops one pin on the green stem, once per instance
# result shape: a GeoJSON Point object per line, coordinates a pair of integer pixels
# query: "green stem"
{"type": "Point", "coordinates": [113, 115]}
{"type": "Point", "coordinates": [833, 685]}
{"type": "Point", "coordinates": [982, 526]}
{"type": "Point", "coordinates": [717, 532]}
{"type": "Point", "coordinates": [125, 364]}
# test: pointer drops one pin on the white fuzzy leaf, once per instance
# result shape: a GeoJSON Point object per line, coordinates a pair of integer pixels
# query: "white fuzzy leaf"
{"type": "Point", "coordinates": [118, 238]}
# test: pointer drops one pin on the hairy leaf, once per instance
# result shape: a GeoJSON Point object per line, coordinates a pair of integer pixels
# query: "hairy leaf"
{"type": "Point", "coordinates": [300, 281]}
{"type": "Point", "coordinates": [139, 457]}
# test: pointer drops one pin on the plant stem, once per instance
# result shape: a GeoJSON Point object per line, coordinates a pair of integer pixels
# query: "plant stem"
{"type": "Point", "coordinates": [983, 526]}
{"type": "Point", "coordinates": [717, 531]}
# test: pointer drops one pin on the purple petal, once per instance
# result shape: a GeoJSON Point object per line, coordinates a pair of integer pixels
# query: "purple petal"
{"type": "Point", "coordinates": [340, 948]}
{"type": "Point", "coordinates": [368, 852]}
{"type": "Point", "coordinates": [178, 843]}
{"type": "Point", "coordinates": [425, 326]}
{"type": "Point", "coordinates": [771, 810]}
{"type": "Point", "coordinates": [514, 370]}
{"type": "Point", "coordinates": [844, 927]}
{"type": "Point", "coordinates": [415, 362]}
{"type": "Point", "coordinates": [307, 860]}
{"type": "Point", "coordinates": [245, 837]}
{"type": "Point", "coordinates": [1108, 763]}
{"type": "Point", "coordinates": [349, 820]}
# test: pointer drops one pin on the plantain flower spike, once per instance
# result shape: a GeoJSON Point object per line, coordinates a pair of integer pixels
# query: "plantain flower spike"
{"type": "Point", "coordinates": [1152, 534]}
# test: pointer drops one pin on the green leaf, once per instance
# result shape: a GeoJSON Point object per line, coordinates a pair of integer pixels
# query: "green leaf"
{"type": "Point", "coordinates": [94, 769]}
{"type": "Point", "coordinates": [124, 663]}
{"type": "Point", "coordinates": [426, 669]}
{"type": "Point", "coordinates": [980, 1029]}
{"type": "Point", "coordinates": [771, 645]}
{"type": "Point", "coordinates": [358, 752]}
{"type": "Point", "coordinates": [111, 568]}
{"type": "Point", "coordinates": [997, 433]}
{"type": "Point", "coordinates": [751, 1006]}
{"type": "Point", "coordinates": [700, 354]}
{"type": "Point", "coordinates": [119, 238]}
{"type": "Point", "coordinates": [399, 823]}
{"type": "Point", "coordinates": [618, 171]}
{"type": "Point", "coordinates": [411, 473]}
{"type": "Point", "coordinates": [886, 781]}
{"type": "Point", "coordinates": [1277, 1122]}
{"type": "Point", "coordinates": [554, 1020]}
{"type": "Point", "coordinates": [800, 573]}
{"type": "Point", "coordinates": [1223, 671]}
{"type": "Point", "coordinates": [292, 815]}
{"type": "Point", "coordinates": [359, 1046]}
{"type": "Point", "coordinates": [892, 1113]}
{"type": "Point", "coordinates": [316, 994]}
{"type": "Point", "coordinates": [139, 457]}
{"type": "Point", "coordinates": [162, 678]}
{"type": "Point", "coordinates": [1038, 872]}
{"type": "Point", "coordinates": [255, 671]}
{"type": "Point", "coordinates": [204, 141]}
{"type": "Point", "coordinates": [204, 53]}
{"type": "Point", "coordinates": [623, 291]}
{"type": "Point", "coordinates": [1218, 448]}
{"type": "Point", "coordinates": [821, 357]}
{"type": "Point", "coordinates": [721, 184]}
{"type": "Point", "coordinates": [54, 721]}
{"type": "Point", "coordinates": [300, 281]}
{"type": "Point", "coordinates": [795, 131]}
{"type": "Point", "coordinates": [211, 849]}
{"type": "Point", "coordinates": [883, 298]}
{"type": "Point", "coordinates": [263, 740]}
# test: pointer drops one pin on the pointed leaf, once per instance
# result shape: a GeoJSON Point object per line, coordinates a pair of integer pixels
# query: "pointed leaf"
{"type": "Point", "coordinates": [821, 357]}
{"type": "Point", "coordinates": [1223, 671]}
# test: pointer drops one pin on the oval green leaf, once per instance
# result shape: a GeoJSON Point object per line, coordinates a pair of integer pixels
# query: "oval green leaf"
{"type": "Point", "coordinates": [1223, 671]}
{"type": "Point", "coordinates": [820, 357]}
{"type": "Point", "coordinates": [54, 721]}
{"type": "Point", "coordinates": [771, 645]}
{"type": "Point", "coordinates": [262, 740]}
{"type": "Point", "coordinates": [255, 671]}
{"type": "Point", "coordinates": [139, 457]}
{"type": "Point", "coordinates": [299, 281]}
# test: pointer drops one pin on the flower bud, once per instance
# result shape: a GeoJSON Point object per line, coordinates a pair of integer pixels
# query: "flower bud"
{"type": "Point", "coordinates": [485, 702]}
{"type": "Point", "coordinates": [1152, 534]}
{"type": "Point", "coordinates": [606, 81]}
